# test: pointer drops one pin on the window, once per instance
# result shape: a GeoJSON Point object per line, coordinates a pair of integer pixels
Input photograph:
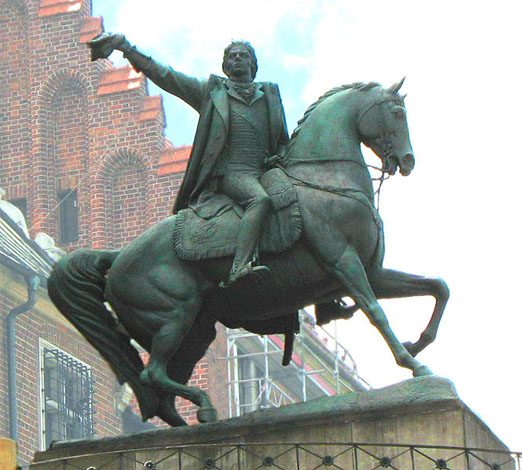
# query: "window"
{"type": "Point", "coordinates": [68, 201]}
{"type": "Point", "coordinates": [66, 400]}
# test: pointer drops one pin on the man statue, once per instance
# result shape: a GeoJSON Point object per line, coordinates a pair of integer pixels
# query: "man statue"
{"type": "Point", "coordinates": [241, 128]}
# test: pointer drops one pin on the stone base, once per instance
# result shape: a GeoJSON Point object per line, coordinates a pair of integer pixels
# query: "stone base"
{"type": "Point", "coordinates": [7, 454]}
{"type": "Point", "coordinates": [420, 412]}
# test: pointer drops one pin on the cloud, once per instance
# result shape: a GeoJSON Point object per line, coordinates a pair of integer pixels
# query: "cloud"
{"type": "Point", "coordinates": [191, 34]}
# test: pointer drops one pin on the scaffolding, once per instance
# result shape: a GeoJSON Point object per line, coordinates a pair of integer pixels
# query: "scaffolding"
{"type": "Point", "coordinates": [320, 366]}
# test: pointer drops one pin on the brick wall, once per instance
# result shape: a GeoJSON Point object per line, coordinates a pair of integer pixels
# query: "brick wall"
{"type": "Point", "coordinates": [14, 98]}
{"type": "Point", "coordinates": [69, 123]}
{"type": "Point", "coordinates": [217, 376]}
{"type": "Point", "coordinates": [30, 328]}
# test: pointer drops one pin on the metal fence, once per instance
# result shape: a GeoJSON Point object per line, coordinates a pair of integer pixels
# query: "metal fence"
{"type": "Point", "coordinates": [292, 456]}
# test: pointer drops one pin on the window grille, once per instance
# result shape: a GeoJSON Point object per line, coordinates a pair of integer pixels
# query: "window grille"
{"type": "Point", "coordinates": [67, 397]}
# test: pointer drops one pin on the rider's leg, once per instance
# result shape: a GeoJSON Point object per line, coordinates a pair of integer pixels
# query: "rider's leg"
{"type": "Point", "coordinates": [250, 230]}
{"type": "Point", "coordinates": [245, 189]}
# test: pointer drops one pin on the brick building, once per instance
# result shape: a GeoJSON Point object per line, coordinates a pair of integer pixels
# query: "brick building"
{"type": "Point", "coordinates": [84, 157]}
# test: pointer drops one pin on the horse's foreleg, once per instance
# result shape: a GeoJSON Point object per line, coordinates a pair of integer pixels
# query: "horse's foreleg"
{"type": "Point", "coordinates": [389, 284]}
{"type": "Point", "coordinates": [350, 271]}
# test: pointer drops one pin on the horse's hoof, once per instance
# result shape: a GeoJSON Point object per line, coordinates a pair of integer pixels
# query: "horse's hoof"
{"type": "Point", "coordinates": [410, 347]}
{"type": "Point", "coordinates": [207, 415]}
{"type": "Point", "coordinates": [421, 371]}
{"type": "Point", "coordinates": [167, 412]}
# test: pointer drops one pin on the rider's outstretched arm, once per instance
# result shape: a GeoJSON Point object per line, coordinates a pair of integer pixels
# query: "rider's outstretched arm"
{"type": "Point", "coordinates": [189, 89]}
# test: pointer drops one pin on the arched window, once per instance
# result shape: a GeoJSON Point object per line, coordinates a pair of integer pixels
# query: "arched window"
{"type": "Point", "coordinates": [127, 195]}
{"type": "Point", "coordinates": [68, 154]}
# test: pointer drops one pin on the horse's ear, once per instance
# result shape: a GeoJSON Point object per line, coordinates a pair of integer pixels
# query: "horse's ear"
{"type": "Point", "coordinates": [395, 88]}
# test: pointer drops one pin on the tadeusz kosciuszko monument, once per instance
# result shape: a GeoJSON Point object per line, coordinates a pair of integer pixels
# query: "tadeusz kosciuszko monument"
{"type": "Point", "coordinates": [264, 224]}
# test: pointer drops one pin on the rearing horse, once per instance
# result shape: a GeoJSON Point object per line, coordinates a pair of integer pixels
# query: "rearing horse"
{"type": "Point", "coordinates": [170, 306]}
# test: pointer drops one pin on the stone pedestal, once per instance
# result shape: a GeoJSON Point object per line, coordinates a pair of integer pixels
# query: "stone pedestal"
{"type": "Point", "coordinates": [7, 454]}
{"type": "Point", "coordinates": [416, 424]}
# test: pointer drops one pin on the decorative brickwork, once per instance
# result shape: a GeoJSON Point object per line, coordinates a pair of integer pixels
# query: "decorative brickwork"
{"type": "Point", "coordinates": [14, 98]}
{"type": "Point", "coordinates": [69, 139]}
{"type": "Point", "coordinates": [57, 7]}
{"type": "Point", "coordinates": [126, 196]}
{"type": "Point", "coordinates": [91, 27]}
{"type": "Point", "coordinates": [174, 160]}
{"type": "Point", "coordinates": [67, 123]}
{"type": "Point", "coordinates": [118, 80]}
{"type": "Point", "coordinates": [151, 108]}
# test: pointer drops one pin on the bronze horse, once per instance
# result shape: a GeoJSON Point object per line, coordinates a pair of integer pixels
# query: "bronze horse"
{"type": "Point", "coordinates": [170, 306]}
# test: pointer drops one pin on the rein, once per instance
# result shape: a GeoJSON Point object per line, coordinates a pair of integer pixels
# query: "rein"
{"type": "Point", "coordinates": [383, 141]}
{"type": "Point", "coordinates": [344, 192]}
{"type": "Point", "coordinates": [385, 174]}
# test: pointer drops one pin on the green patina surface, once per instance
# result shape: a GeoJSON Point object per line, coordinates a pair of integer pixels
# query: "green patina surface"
{"type": "Point", "coordinates": [170, 305]}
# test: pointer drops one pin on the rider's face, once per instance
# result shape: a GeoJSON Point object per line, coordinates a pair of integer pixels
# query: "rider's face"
{"type": "Point", "coordinates": [238, 64]}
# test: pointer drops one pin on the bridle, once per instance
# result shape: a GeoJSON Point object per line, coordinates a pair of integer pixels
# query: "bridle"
{"type": "Point", "coordinates": [383, 141]}
{"type": "Point", "coordinates": [383, 138]}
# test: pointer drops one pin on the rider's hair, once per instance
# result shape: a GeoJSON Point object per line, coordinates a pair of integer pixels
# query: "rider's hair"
{"type": "Point", "coordinates": [250, 50]}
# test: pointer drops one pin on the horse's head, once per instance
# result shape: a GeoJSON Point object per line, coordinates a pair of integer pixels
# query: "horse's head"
{"type": "Point", "coordinates": [383, 127]}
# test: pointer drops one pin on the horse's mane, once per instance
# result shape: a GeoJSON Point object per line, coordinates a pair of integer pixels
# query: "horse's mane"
{"type": "Point", "coordinates": [360, 86]}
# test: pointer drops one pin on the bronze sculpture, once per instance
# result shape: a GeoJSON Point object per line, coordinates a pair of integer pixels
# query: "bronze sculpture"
{"type": "Point", "coordinates": [324, 241]}
{"type": "Point", "coordinates": [242, 126]}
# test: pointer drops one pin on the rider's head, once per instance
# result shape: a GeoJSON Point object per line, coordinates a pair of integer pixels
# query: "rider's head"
{"type": "Point", "coordinates": [239, 59]}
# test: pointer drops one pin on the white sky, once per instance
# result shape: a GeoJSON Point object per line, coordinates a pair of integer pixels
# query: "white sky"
{"type": "Point", "coordinates": [457, 215]}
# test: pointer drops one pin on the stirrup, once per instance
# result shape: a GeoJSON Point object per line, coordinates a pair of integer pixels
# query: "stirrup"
{"type": "Point", "coordinates": [246, 270]}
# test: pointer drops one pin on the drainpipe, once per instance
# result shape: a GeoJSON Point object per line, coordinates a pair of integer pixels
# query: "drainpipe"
{"type": "Point", "coordinates": [32, 286]}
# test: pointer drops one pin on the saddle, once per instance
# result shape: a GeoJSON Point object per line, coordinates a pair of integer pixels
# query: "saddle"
{"type": "Point", "coordinates": [200, 238]}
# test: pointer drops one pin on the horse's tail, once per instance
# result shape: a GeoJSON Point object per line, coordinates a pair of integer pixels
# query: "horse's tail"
{"type": "Point", "coordinates": [76, 286]}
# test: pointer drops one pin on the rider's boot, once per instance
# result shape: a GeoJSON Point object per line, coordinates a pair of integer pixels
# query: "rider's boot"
{"type": "Point", "coordinates": [250, 230]}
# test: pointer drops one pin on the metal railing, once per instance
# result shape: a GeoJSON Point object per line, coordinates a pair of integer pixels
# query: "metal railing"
{"type": "Point", "coordinates": [292, 456]}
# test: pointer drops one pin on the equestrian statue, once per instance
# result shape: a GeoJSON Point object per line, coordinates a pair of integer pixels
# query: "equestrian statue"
{"type": "Point", "coordinates": [263, 226]}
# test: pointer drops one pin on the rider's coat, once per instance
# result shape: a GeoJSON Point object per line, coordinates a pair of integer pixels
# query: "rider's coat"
{"type": "Point", "coordinates": [211, 100]}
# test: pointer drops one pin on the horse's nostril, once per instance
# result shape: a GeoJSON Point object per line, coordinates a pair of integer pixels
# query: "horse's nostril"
{"type": "Point", "coordinates": [408, 160]}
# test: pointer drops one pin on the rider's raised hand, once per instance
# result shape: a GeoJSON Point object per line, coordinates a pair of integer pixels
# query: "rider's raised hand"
{"type": "Point", "coordinates": [103, 44]}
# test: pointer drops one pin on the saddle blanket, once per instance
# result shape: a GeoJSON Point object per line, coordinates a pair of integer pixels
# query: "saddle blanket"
{"type": "Point", "coordinates": [198, 238]}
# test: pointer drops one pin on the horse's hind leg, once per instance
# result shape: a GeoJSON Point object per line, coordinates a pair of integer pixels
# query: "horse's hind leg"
{"type": "Point", "coordinates": [350, 271]}
{"type": "Point", "coordinates": [389, 284]}
{"type": "Point", "coordinates": [192, 349]}
{"type": "Point", "coordinates": [165, 343]}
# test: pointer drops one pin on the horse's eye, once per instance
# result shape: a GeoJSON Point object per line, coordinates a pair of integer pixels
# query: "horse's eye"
{"type": "Point", "coordinates": [398, 111]}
